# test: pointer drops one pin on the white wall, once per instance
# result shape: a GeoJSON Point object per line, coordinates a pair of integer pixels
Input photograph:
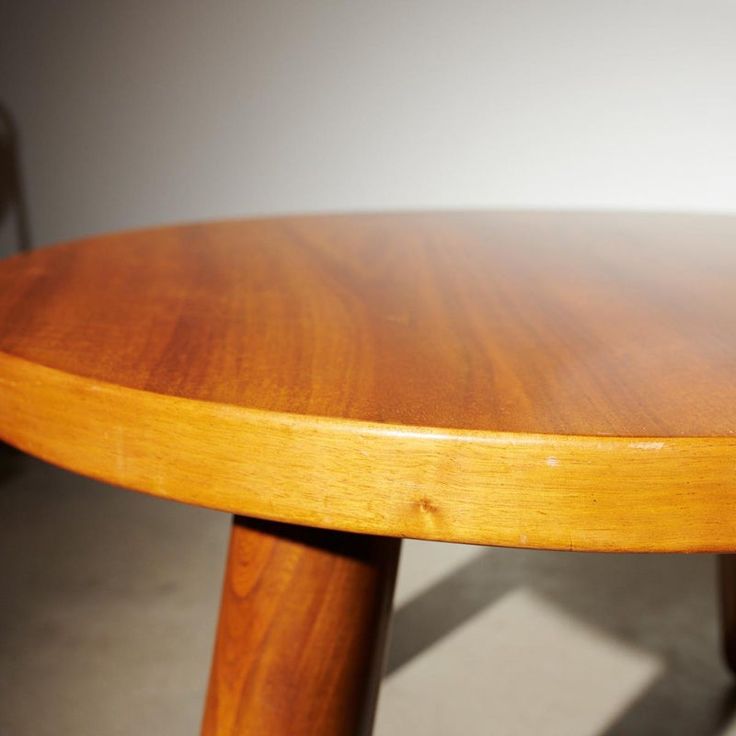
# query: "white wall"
{"type": "Point", "coordinates": [142, 112]}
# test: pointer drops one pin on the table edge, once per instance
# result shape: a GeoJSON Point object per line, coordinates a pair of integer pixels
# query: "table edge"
{"type": "Point", "coordinates": [545, 491]}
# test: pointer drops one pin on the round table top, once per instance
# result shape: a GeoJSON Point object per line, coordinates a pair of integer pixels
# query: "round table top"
{"type": "Point", "coordinates": [526, 379]}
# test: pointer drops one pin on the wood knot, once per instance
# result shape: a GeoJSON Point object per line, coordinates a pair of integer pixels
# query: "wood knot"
{"type": "Point", "coordinates": [427, 506]}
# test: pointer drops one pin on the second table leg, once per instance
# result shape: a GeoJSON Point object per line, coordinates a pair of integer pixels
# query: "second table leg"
{"type": "Point", "coordinates": [302, 631]}
{"type": "Point", "coordinates": [727, 585]}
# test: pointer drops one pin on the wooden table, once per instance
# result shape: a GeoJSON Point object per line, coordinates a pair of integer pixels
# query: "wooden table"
{"type": "Point", "coordinates": [552, 381]}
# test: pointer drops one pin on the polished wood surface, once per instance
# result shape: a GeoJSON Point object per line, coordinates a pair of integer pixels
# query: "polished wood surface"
{"type": "Point", "coordinates": [525, 379]}
{"type": "Point", "coordinates": [302, 632]}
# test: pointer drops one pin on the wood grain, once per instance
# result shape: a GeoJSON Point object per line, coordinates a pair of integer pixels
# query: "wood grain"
{"type": "Point", "coordinates": [302, 632]}
{"type": "Point", "coordinates": [522, 379]}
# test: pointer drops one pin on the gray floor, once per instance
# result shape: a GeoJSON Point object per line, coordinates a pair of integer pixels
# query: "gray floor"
{"type": "Point", "coordinates": [107, 614]}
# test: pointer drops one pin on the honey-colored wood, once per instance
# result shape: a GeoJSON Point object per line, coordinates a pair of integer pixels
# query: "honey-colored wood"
{"type": "Point", "coordinates": [302, 632]}
{"type": "Point", "coordinates": [522, 379]}
{"type": "Point", "coordinates": [727, 583]}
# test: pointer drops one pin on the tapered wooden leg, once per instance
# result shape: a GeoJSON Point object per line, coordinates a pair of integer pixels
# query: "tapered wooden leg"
{"type": "Point", "coordinates": [727, 582]}
{"type": "Point", "coordinates": [302, 632]}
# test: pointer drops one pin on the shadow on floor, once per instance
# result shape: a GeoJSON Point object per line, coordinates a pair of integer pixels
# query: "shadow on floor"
{"type": "Point", "coordinates": [662, 604]}
{"type": "Point", "coordinates": [11, 462]}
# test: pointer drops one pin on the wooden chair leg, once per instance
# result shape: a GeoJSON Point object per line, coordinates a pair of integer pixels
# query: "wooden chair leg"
{"type": "Point", "coordinates": [727, 583]}
{"type": "Point", "coordinates": [302, 632]}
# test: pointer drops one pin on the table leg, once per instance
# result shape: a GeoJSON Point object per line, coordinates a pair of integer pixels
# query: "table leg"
{"type": "Point", "coordinates": [727, 583]}
{"type": "Point", "coordinates": [302, 631]}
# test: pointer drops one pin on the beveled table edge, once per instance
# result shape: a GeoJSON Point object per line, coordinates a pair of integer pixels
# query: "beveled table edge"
{"type": "Point", "coordinates": [650, 494]}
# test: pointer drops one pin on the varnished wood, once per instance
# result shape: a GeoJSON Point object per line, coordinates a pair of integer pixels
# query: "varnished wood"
{"type": "Point", "coordinates": [302, 632]}
{"type": "Point", "coordinates": [525, 379]}
{"type": "Point", "coordinates": [727, 584]}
